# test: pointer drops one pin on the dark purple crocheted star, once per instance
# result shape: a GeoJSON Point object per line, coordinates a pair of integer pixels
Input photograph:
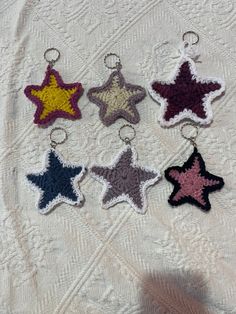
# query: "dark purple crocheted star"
{"type": "Point", "coordinates": [186, 95]}
{"type": "Point", "coordinates": [192, 183]}
{"type": "Point", "coordinates": [117, 99]}
{"type": "Point", "coordinates": [125, 181]}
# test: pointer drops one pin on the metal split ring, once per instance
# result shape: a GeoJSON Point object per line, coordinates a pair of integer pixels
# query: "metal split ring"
{"type": "Point", "coordinates": [192, 138]}
{"type": "Point", "coordinates": [126, 139]}
{"type": "Point", "coordinates": [52, 61]}
{"type": "Point", "coordinates": [54, 142]}
{"type": "Point", "coordinates": [191, 33]}
{"type": "Point", "coordinates": [117, 64]}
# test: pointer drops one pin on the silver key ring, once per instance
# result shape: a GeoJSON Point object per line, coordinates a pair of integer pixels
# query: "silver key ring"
{"type": "Point", "coordinates": [52, 61]}
{"type": "Point", "coordinates": [192, 138]}
{"type": "Point", "coordinates": [126, 139]}
{"type": "Point", "coordinates": [191, 33]}
{"type": "Point", "coordinates": [117, 65]}
{"type": "Point", "coordinates": [54, 142]}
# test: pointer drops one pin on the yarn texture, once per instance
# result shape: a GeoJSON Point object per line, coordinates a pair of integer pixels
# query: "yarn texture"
{"type": "Point", "coordinates": [192, 183]}
{"type": "Point", "coordinates": [125, 181]}
{"type": "Point", "coordinates": [57, 182]}
{"type": "Point", "coordinates": [186, 95]}
{"type": "Point", "coordinates": [54, 99]}
{"type": "Point", "coordinates": [117, 99]}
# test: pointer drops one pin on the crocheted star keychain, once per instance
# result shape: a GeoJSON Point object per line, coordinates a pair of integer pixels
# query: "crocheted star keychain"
{"type": "Point", "coordinates": [124, 180]}
{"type": "Point", "coordinates": [57, 182]}
{"type": "Point", "coordinates": [192, 182]}
{"type": "Point", "coordinates": [186, 95]}
{"type": "Point", "coordinates": [54, 98]}
{"type": "Point", "coordinates": [116, 98]}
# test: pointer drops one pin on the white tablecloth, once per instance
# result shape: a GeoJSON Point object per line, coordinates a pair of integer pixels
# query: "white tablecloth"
{"type": "Point", "coordinates": [91, 260]}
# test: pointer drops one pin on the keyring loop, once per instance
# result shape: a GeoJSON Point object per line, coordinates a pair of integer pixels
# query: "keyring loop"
{"type": "Point", "coordinates": [117, 66]}
{"type": "Point", "coordinates": [52, 61]}
{"type": "Point", "coordinates": [192, 33]}
{"type": "Point", "coordinates": [54, 143]}
{"type": "Point", "coordinates": [192, 138]}
{"type": "Point", "coordinates": [127, 139]}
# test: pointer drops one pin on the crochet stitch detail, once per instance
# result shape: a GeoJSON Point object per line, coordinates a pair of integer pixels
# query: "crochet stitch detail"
{"type": "Point", "coordinates": [186, 95]}
{"type": "Point", "coordinates": [124, 180]}
{"type": "Point", "coordinates": [56, 183]}
{"type": "Point", "coordinates": [117, 99]}
{"type": "Point", "coordinates": [54, 98]}
{"type": "Point", "coordinates": [192, 183]}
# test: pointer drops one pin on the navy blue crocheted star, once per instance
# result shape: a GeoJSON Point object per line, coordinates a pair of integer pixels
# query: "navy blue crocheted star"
{"type": "Point", "coordinates": [57, 182]}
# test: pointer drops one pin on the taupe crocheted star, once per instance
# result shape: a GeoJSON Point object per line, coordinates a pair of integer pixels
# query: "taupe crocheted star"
{"type": "Point", "coordinates": [125, 181]}
{"type": "Point", "coordinates": [117, 99]}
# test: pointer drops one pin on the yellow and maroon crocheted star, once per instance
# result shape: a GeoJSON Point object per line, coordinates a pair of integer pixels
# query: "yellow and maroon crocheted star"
{"type": "Point", "coordinates": [54, 99]}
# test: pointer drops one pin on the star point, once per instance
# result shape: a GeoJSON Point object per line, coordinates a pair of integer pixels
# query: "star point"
{"type": "Point", "coordinates": [54, 99]}
{"type": "Point", "coordinates": [125, 181]}
{"type": "Point", "coordinates": [192, 183]}
{"type": "Point", "coordinates": [186, 95]}
{"type": "Point", "coordinates": [117, 99]}
{"type": "Point", "coordinates": [56, 183]}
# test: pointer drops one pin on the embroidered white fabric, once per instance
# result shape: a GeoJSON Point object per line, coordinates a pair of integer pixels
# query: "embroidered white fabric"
{"type": "Point", "coordinates": [89, 260]}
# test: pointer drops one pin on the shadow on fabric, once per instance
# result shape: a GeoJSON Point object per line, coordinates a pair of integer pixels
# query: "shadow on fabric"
{"type": "Point", "coordinates": [174, 293]}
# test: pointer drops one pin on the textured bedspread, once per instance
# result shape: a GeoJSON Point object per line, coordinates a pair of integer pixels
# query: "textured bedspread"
{"type": "Point", "coordinates": [95, 261]}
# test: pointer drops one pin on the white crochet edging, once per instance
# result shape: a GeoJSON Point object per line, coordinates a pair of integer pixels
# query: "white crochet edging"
{"type": "Point", "coordinates": [187, 113]}
{"type": "Point", "coordinates": [125, 197]}
{"type": "Point", "coordinates": [60, 198]}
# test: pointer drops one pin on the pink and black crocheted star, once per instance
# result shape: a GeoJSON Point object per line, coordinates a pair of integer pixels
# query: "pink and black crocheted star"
{"type": "Point", "coordinates": [192, 183]}
{"type": "Point", "coordinates": [186, 95]}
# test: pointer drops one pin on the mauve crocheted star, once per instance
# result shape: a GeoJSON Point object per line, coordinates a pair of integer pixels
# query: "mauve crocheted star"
{"type": "Point", "coordinates": [117, 99]}
{"type": "Point", "coordinates": [54, 99]}
{"type": "Point", "coordinates": [192, 183]}
{"type": "Point", "coordinates": [186, 95]}
{"type": "Point", "coordinates": [124, 180]}
{"type": "Point", "coordinates": [56, 183]}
